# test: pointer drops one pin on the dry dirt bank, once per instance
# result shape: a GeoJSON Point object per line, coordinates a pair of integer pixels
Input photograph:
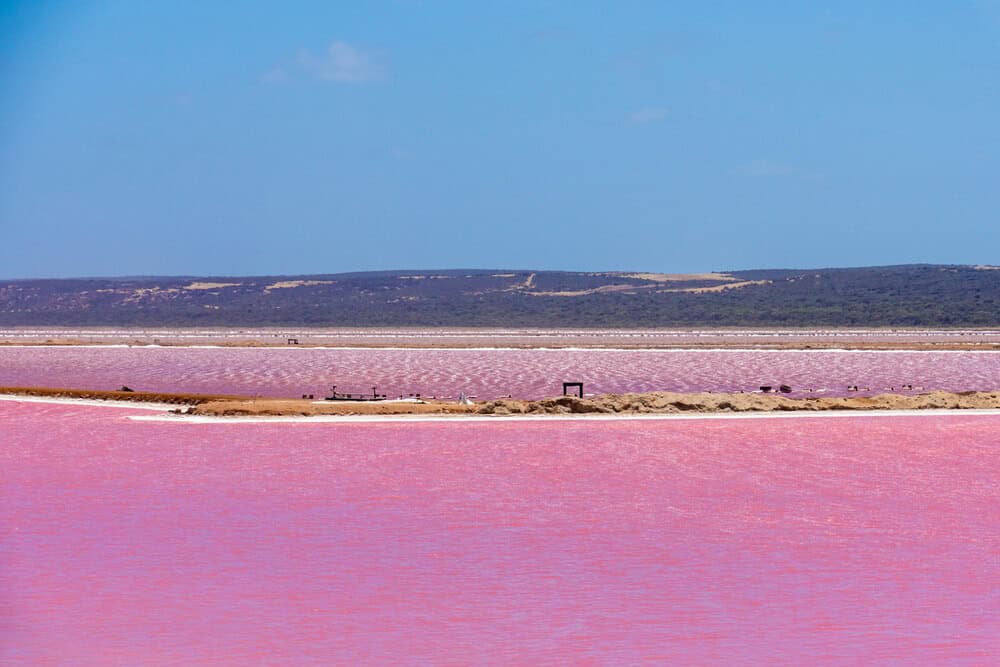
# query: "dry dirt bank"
{"type": "Point", "coordinates": [102, 395]}
{"type": "Point", "coordinates": [652, 403]}
{"type": "Point", "coordinates": [301, 408]}
{"type": "Point", "coordinates": [915, 346]}
{"type": "Point", "coordinates": [228, 405]}
{"type": "Point", "coordinates": [667, 402]}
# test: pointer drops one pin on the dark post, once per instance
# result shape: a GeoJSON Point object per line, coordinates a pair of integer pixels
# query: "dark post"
{"type": "Point", "coordinates": [573, 385]}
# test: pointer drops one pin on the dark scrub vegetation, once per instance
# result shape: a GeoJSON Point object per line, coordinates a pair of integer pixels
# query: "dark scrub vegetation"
{"type": "Point", "coordinates": [904, 296]}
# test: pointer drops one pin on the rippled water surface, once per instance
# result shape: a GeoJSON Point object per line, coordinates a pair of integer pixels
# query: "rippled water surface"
{"type": "Point", "coordinates": [489, 373]}
{"type": "Point", "coordinates": [723, 541]}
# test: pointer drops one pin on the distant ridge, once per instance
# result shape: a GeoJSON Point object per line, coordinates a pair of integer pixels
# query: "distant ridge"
{"type": "Point", "coordinates": [907, 295]}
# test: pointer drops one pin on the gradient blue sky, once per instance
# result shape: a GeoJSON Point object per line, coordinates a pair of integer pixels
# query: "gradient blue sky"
{"type": "Point", "coordinates": [174, 137]}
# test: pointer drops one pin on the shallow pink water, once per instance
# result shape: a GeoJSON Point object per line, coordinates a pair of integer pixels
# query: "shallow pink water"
{"type": "Point", "coordinates": [488, 374]}
{"type": "Point", "coordinates": [549, 542]}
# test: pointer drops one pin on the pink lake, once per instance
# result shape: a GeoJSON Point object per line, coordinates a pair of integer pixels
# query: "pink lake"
{"type": "Point", "coordinates": [487, 374]}
{"type": "Point", "coordinates": [724, 541]}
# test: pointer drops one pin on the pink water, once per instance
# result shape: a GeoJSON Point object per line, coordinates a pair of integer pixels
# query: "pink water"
{"type": "Point", "coordinates": [726, 541]}
{"type": "Point", "coordinates": [488, 374]}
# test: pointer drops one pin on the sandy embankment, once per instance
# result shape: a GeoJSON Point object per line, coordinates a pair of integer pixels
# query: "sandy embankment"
{"type": "Point", "coordinates": [229, 405]}
{"type": "Point", "coordinates": [555, 344]}
{"type": "Point", "coordinates": [129, 396]}
{"type": "Point", "coordinates": [623, 404]}
{"type": "Point", "coordinates": [668, 402]}
{"type": "Point", "coordinates": [875, 339]}
{"type": "Point", "coordinates": [274, 407]}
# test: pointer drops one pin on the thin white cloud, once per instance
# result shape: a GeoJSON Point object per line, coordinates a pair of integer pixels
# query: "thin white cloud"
{"type": "Point", "coordinates": [343, 63]}
{"type": "Point", "coordinates": [648, 115]}
{"type": "Point", "coordinates": [274, 75]}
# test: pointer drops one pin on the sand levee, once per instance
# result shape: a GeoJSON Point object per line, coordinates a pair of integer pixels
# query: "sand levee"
{"type": "Point", "coordinates": [671, 402]}
{"type": "Point", "coordinates": [118, 395]}
{"type": "Point", "coordinates": [624, 404]}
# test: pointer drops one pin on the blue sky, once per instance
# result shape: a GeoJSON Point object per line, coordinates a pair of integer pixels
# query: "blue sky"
{"type": "Point", "coordinates": [173, 137]}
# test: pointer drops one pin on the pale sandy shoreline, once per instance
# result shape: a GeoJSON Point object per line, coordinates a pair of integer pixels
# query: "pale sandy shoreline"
{"type": "Point", "coordinates": [902, 346]}
{"type": "Point", "coordinates": [165, 416]}
{"type": "Point", "coordinates": [842, 347]}
{"type": "Point", "coordinates": [462, 419]}
{"type": "Point", "coordinates": [109, 403]}
{"type": "Point", "coordinates": [960, 339]}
